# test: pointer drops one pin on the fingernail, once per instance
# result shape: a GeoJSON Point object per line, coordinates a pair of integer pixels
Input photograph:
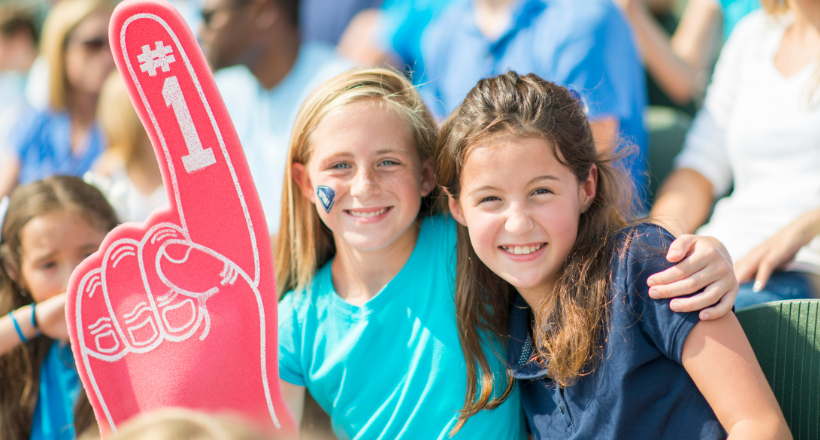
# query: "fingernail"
{"type": "Point", "coordinates": [705, 316]}
{"type": "Point", "coordinates": [650, 282]}
{"type": "Point", "coordinates": [675, 306]}
{"type": "Point", "coordinates": [653, 293]}
{"type": "Point", "coordinates": [757, 287]}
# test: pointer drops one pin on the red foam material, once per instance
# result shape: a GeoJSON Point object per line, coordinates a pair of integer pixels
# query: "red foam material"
{"type": "Point", "coordinates": [180, 311]}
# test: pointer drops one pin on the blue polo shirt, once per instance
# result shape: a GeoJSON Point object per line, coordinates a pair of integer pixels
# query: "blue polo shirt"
{"type": "Point", "coordinates": [638, 389]}
{"type": "Point", "coordinates": [583, 44]}
{"type": "Point", "coordinates": [392, 368]}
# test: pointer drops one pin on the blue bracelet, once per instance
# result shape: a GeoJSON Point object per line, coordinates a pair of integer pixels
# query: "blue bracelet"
{"type": "Point", "coordinates": [34, 320]}
{"type": "Point", "coordinates": [17, 327]}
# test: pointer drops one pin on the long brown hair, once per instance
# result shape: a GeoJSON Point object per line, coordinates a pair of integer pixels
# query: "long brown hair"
{"type": "Point", "coordinates": [20, 367]}
{"type": "Point", "coordinates": [576, 310]}
{"type": "Point", "coordinates": [304, 243]}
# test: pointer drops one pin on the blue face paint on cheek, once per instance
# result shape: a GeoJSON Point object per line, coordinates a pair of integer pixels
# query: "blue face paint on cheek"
{"type": "Point", "coordinates": [326, 196]}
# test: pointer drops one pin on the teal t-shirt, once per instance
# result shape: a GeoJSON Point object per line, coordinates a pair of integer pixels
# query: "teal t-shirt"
{"type": "Point", "coordinates": [392, 368]}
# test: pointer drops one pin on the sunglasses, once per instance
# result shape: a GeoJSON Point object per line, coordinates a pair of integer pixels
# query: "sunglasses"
{"type": "Point", "coordinates": [92, 45]}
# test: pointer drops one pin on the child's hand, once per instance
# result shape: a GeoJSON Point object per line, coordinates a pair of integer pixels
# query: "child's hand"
{"type": "Point", "coordinates": [51, 317]}
{"type": "Point", "coordinates": [703, 263]}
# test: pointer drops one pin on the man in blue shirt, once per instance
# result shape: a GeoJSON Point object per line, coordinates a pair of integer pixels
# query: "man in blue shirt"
{"type": "Point", "coordinates": [265, 72]}
{"type": "Point", "coordinates": [585, 45]}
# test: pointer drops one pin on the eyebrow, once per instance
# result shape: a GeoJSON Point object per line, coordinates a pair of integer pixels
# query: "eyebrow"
{"type": "Point", "coordinates": [392, 150]}
{"type": "Point", "coordinates": [544, 177]}
{"type": "Point", "coordinates": [537, 179]}
{"type": "Point", "coordinates": [45, 257]}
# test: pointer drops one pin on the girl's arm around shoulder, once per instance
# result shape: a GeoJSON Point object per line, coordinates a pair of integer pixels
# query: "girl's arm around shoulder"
{"type": "Point", "coordinates": [718, 357]}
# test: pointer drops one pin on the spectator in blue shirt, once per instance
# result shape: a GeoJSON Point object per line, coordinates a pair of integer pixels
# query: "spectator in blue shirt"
{"type": "Point", "coordinates": [64, 138]}
{"type": "Point", "coordinates": [586, 45]}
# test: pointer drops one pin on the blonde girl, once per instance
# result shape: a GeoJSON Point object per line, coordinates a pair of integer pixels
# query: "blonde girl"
{"type": "Point", "coordinates": [50, 227]}
{"type": "Point", "coordinates": [127, 172]}
{"type": "Point", "coordinates": [365, 264]}
{"type": "Point", "coordinates": [548, 257]}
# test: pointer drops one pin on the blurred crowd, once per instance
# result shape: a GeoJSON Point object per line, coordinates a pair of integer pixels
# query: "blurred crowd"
{"type": "Point", "coordinates": [738, 159]}
{"type": "Point", "coordinates": [714, 103]}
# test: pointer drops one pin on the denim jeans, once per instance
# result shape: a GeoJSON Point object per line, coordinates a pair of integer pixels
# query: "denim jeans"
{"type": "Point", "coordinates": [781, 286]}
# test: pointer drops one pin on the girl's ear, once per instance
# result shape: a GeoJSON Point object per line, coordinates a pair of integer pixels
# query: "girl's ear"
{"type": "Point", "coordinates": [13, 274]}
{"type": "Point", "coordinates": [455, 208]}
{"type": "Point", "coordinates": [428, 177]}
{"type": "Point", "coordinates": [588, 189]}
{"type": "Point", "coordinates": [302, 179]}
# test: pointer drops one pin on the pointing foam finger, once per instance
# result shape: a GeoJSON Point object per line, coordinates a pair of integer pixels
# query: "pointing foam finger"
{"type": "Point", "coordinates": [203, 165]}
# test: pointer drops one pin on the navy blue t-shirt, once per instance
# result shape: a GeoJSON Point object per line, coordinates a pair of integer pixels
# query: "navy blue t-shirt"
{"type": "Point", "coordinates": [639, 389]}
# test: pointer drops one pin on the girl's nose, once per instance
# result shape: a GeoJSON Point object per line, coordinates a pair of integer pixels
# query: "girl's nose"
{"type": "Point", "coordinates": [519, 221]}
{"type": "Point", "coordinates": [364, 184]}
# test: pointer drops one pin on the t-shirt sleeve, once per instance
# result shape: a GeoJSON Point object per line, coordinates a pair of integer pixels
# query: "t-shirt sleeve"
{"type": "Point", "coordinates": [704, 149]}
{"type": "Point", "coordinates": [290, 341]}
{"type": "Point", "coordinates": [600, 62]}
{"type": "Point", "coordinates": [645, 255]}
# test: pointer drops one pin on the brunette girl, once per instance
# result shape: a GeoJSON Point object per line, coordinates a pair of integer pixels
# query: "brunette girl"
{"type": "Point", "coordinates": [551, 257]}
{"type": "Point", "coordinates": [50, 227]}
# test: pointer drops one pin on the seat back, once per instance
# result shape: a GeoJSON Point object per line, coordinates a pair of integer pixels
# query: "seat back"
{"type": "Point", "coordinates": [785, 338]}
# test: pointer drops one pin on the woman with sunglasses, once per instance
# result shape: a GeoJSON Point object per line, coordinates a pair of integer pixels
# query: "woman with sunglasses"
{"type": "Point", "coordinates": [64, 138]}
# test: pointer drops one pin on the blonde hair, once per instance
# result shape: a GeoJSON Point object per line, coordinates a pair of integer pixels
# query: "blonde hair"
{"type": "Point", "coordinates": [304, 242]}
{"type": "Point", "coordinates": [62, 19]}
{"type": "Point", "coordinates": [185, 424]}
{"type": "Point", "coordinates": [118, 119]}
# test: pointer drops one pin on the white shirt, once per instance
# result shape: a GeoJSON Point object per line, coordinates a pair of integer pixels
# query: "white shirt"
{"type": "Point", "coordinates": [130, 204]}
{"type": "Point", "coordinates": [758, 132]}
{"type": "Point", "coordinates": [264, 118]}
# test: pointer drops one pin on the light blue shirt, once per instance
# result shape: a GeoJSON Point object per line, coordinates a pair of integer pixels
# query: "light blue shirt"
{"type": "Point", "coordinates": [264, 118]}
{"type": "Point", "coordinates": [586, 45]}
{"type": "Point", "coordinates": [59, 389]}
{"type": "Point", "coordinates": [42, 144]}
{"type": "Point", "coordinates": [392, 368]}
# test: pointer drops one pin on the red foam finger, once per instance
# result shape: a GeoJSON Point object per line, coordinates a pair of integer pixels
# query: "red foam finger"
{"type": "Point", "coordinates": [180, 311]}
{"type": "Point", "coordinates": [204, 167]}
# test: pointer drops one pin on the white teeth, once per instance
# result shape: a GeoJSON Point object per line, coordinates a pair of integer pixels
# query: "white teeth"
{"type": "Point", "coordinates": [367, 214]}
{"type": "Point", "coordinates": [523, 250]}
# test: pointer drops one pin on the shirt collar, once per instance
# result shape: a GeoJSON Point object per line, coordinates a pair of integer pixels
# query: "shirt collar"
{"type": "Point", "coordinates": [523, 12]}
{"type": "Point", "coordinates": [519, 352]}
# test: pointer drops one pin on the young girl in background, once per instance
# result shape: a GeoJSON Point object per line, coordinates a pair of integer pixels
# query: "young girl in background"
{"type": "Point", "coordinates": [366, 263]}
{"type": "Point", "coordinates": [547, 255]}
{"type": "Point", "coordinates": [127, 172]}
{"type": "Point", "coordinates": [50, 227]}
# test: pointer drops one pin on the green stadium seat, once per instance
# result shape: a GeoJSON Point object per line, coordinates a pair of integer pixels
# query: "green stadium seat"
{"type": "Point", "coordinates": [785, 336]}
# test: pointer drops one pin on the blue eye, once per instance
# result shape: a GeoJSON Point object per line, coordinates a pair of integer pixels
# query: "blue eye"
{"type": "Point", "coordinates": [339, 166]}
{"type": "Point", "coordinates": [388, 162]}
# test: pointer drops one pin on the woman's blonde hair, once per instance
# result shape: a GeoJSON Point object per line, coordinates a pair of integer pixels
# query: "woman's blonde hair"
{"type": "Point", "coordinates": [61, 20]}
{"type": "Point", "coordinates": [118, 120]}
{"type": "Point", "coordinates": [304, 243]}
